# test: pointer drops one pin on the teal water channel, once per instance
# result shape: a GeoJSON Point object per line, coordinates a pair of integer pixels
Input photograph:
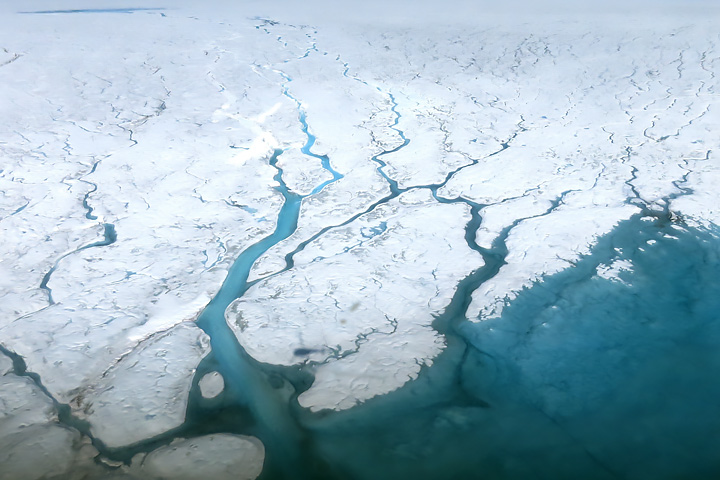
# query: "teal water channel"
{"type": "Point", "coordinates": [581, 377]}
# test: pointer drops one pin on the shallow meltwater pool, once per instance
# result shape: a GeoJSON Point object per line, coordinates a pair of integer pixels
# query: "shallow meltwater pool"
{"type": "Point", "coordinates": [604, 370]}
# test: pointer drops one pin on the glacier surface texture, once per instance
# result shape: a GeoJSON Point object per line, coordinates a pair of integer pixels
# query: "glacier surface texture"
{"type": "Point", "coordinates": [283, 240]}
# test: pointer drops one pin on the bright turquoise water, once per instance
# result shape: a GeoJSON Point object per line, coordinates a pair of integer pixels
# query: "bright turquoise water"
{"type": "Point", "coordinates": [581, 377]}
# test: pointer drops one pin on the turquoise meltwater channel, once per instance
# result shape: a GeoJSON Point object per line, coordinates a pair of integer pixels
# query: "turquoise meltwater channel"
{"type": "Point", "coordinates": [581, 377]}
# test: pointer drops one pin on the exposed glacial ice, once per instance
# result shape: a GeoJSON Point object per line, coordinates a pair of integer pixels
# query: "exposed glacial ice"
{"type": "Point", "coordinates": [360, 301]}
{"type": "Point", "coordinates": [220, 457]}
{"type": "Point", "coordinates": [145, 392]}
{"type": "Point", "coordinates": [211, 385]}
{"type": "Point", "coordinates": [447, 223]}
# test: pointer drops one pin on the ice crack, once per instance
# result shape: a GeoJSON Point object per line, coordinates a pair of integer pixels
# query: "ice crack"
{"type": "Point", "coordinates": [110, 236]}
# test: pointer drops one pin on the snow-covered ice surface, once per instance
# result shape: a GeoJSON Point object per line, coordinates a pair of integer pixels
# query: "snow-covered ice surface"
{"type": "Point", "coordinates": [283, 240]}
{"type": "Point", "coordinates": [219, 457]}
{"type": "Point", "coordinates": [360, 300]}
{"type": "Point", "coordinates": [211, 385]}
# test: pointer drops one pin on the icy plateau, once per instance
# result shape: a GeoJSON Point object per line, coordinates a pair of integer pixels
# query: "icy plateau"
{"type": "Point", "coordinates": [260, 240]}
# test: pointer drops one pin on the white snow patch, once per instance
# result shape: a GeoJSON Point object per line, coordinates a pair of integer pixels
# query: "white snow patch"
{"type": "Point", "coordinates": [211, 385]}
{"type": "Point", "coordinates": [612, 271]}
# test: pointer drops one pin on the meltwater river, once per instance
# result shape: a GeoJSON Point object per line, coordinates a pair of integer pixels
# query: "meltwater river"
{"type": "Point", "coordinates": [581, 377]}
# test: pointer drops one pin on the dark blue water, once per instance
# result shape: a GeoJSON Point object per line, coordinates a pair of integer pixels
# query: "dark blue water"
{"type": "Point", "coordinates": [581, 377]}
{"type": "Point", "coordinates": [109, 237]}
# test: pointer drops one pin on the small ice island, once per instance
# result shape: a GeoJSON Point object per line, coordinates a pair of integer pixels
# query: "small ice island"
{"type": "Point", "coordinates": [310, 241]}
